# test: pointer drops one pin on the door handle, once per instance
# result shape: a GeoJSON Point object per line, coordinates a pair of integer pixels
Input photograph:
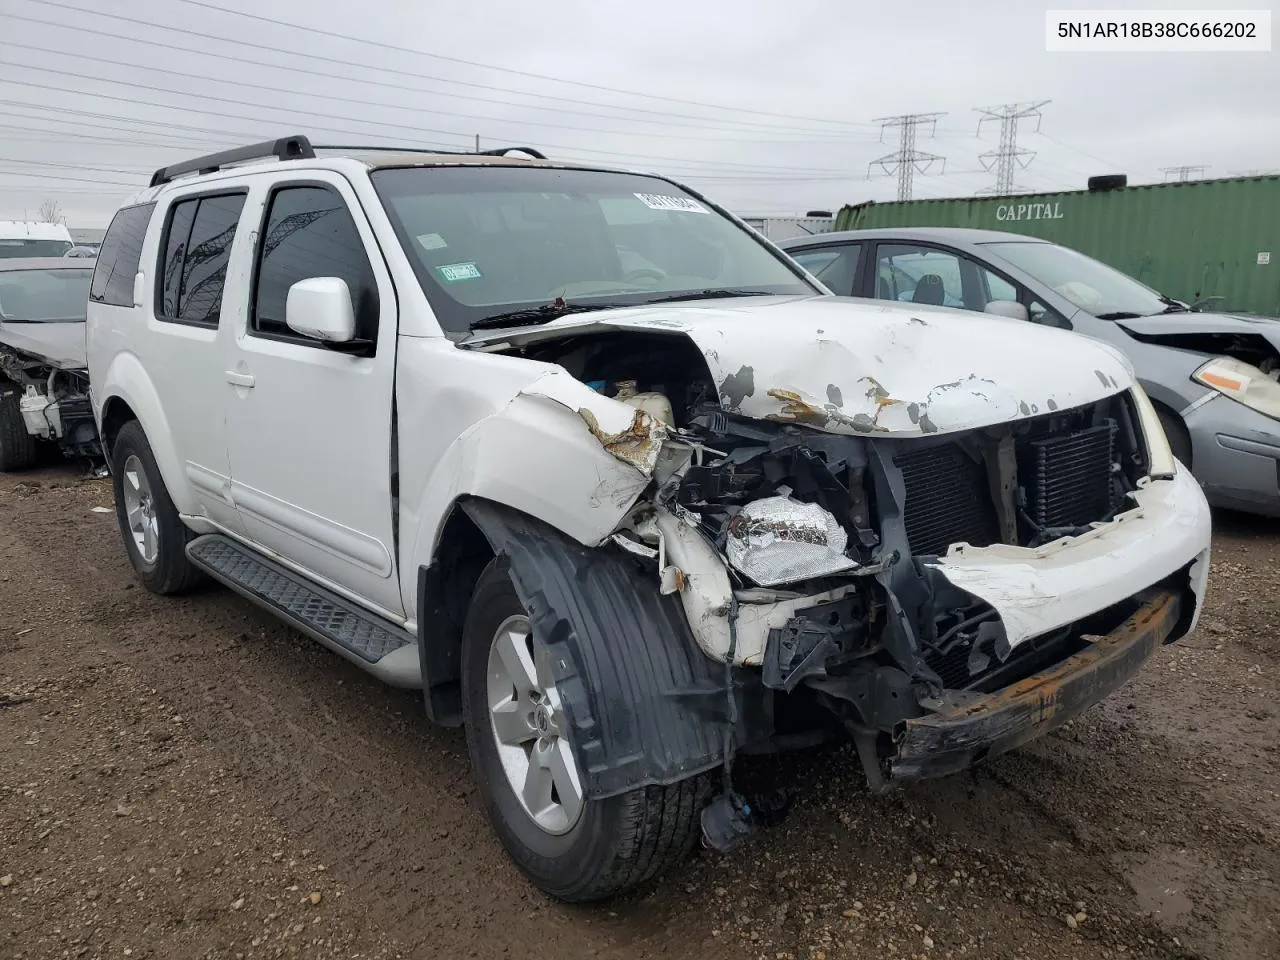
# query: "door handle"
{"type": "Point", "coordinates": [240, 379]}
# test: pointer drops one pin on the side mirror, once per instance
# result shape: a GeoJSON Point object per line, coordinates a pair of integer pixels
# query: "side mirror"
{"type": "Point", "coordinates": [1007, 308]}
{"type": "Point", "coordinates": [320, 308]}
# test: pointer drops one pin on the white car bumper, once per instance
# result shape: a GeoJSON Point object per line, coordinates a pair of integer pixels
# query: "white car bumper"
{"type": "Point", "coordinates": [1038, 590]}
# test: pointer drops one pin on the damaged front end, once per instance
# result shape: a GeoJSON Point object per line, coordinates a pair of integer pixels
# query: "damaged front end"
{"type": "Point", "coordinates": [836, 564]}
{"type": "Point", "coordinates": [936, 592]}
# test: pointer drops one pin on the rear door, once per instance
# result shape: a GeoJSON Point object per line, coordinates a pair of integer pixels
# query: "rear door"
{"type": "Point", "coordinates": [310, 428]}
{"type": "Point", "coordinates": [191, 323]}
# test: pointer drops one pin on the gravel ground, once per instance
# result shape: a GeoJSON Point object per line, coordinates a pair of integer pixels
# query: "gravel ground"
{"type": "Point", "coordinates": [187, 778]}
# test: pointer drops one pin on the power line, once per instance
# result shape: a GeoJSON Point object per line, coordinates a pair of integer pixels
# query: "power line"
{"type": "Point", "coordinates": [314, 57]}
{"type": "Point", "coordinates": [330, 116]}
{"type": "Point", "coordinates": [907, 160]}
{"type": "Point", "coordinates": [364, 101]}
{"type": "Point", "coordinates": [509, 70]}
{"type": "Point", "coordinates": [1007, 156]}
{"type": "Point", "coordinates": [1183, 173]}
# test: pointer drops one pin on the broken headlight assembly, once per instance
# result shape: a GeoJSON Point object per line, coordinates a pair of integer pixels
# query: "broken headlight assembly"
{"type": "Point", "coordinates": [779, 540]}
{"type": "Point", "coordinates": [1242, 382]}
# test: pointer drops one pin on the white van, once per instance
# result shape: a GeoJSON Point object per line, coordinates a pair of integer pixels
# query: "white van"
{"type": "Point", "coordinates": [33, 238]}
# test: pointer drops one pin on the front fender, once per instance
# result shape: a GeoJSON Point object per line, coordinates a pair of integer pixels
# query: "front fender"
{"type": "Point", "coordinates": [644, 704]}
{"type": "Point", "coordinates": [540, 456]}
{"type": "Point", "coordinates": [126, 380]}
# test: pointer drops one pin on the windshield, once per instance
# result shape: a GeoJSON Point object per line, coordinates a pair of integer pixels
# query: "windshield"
{"type": "Point", "coordinates": [489, 240]}
{"type": "Point", "coordinates": [1092, 286]}
{"type": "Point", "coordinates": [11, 247]}
{"type": "Point", "coordinates": [44, 296]}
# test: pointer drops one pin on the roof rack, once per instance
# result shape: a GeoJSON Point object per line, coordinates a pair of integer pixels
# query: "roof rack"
{"type": "Point", "coordinates": [287, 148]}
{"type": "Point", "coordinates": [298, 147]}
{"type": "Point", "coordinates": [495, 152]}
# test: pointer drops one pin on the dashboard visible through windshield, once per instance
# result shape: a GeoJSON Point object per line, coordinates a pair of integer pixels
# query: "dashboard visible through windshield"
{"type": "Point", "coordinates": [489, 240]}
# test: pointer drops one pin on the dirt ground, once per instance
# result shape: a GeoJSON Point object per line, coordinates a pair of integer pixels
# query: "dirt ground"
{"type": "Point", "coordinates": [187, 778]}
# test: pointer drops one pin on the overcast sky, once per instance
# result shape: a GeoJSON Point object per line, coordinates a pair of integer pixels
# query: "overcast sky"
{"type": "Point", "coordinates": [767, 106]}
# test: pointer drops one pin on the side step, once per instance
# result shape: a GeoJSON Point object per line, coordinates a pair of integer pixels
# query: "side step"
{"type": "Point", "coordinates": [371, 643]}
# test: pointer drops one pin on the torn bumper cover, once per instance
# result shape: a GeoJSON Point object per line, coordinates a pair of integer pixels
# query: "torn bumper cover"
{"type": "Point", "coordinates": [965, 728]}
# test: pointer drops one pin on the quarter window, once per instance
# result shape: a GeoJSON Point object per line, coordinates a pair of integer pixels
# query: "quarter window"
{"type": "Point", "coordinates": [119, 256]}
{"type": "Point", "coordinates": [310, 233]}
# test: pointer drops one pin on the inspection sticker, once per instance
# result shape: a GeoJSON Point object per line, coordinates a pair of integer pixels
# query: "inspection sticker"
{"type": "Point", "coordinates": [453, 272]}
{"type": "Point", "coordinates": [1264, 258]}
{"type": "Point", "coordinates": [656, 201]}
{"type": "Point", "coordinates": [431, 241]}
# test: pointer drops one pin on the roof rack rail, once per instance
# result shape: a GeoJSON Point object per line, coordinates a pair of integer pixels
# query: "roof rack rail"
{"type": "Point", "coordinates": [495, 152]}
{"type": "Point", "coordinates": [287, 148]}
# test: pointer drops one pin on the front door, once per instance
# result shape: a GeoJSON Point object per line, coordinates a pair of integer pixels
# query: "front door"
{"type": "Point", "coordinates": [309, 428]}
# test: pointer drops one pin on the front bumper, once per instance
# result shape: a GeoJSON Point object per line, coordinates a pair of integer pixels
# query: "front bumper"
{"type": "Point", "coordinates": [964, 729]}
{"type": "Point", "coordinates": [1235, 453]}
{"type": "Point", "coordinates": [1038, 590]}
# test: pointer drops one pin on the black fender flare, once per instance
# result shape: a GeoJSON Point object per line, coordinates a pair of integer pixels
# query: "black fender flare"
{"type": "Point", "coordinates": [645, 705]}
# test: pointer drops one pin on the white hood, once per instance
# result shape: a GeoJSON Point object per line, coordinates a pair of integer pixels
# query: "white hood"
{"type": "Point", "coordinates": [869, 367]}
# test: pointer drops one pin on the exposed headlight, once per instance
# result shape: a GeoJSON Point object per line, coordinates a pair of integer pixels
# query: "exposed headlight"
{"type": "Point", "coordinates": [1243, 382]}
{"type": "Point", "coordinates": [778, 540]}
{"type": "Point", "coordinates": [1160, 460]}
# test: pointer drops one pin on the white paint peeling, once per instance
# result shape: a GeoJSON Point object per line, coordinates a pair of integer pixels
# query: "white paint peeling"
{"type": "Point", "coordinates": [872, 368]}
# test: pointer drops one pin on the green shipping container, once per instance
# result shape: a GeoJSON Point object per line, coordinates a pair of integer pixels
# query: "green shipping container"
{"type": "Point", "coordinates": [1192, 240]}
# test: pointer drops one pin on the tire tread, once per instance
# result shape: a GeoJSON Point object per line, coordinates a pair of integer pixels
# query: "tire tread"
{"type": "Point", "coordinates": [17, 447]}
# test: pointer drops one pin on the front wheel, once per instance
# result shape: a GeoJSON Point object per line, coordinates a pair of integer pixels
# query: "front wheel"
{"type": "Point", "coordinates": [17, 446]}
{"type": "Point", "coordinates": [574, 848]}
{"type": "Point", "coordinates": [154, 535]}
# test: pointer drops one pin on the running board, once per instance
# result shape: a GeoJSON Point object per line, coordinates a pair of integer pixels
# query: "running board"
{"type": "Point", "coordinates": [371, 643]}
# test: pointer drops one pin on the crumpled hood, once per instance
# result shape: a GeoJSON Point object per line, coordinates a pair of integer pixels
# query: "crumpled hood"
{"type": "Point", "coordinates": [61, 344]}
{"type": "Point", "coordinates": [1164, 324]}
{"type": "Point", "coordinates": [866, 367]}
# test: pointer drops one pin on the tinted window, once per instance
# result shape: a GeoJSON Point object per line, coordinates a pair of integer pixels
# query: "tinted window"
{"type": "Point", "coordinates": [484, 241]}
{"type": "Point", "coordinates": [44, 295]}
{"type": "Point", "coordinates": [309, 233]}
{"type": "Point", "coordinates": [119, 255]}
{"type": "Point", "coordinates": [834, 266]}
{"type": "Point", "coordinates": [177, 235]}
{"type": "Point", "coordinates": [197, 248]}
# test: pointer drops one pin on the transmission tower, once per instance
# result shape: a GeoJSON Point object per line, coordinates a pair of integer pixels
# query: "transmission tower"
{"type": "Point", "coordinates": [906, 161]}
{"type": "Point", "coordinates": [1007, 156]}
{"type": "Point", "coordinates": [1183, 173]}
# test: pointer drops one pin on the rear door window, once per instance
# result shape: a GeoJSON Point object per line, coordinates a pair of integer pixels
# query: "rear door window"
{"type": "Point", "coordinates": [197, 249]}
{"type": "Point", "coordinates": [836, 267]}
{"type": "Point", "coordinates": [119, 256]}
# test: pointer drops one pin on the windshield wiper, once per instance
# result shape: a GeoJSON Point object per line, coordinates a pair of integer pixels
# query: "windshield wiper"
{"type": "Point", "coordinates": [712, 294]}
{"type": "Point", "coordinates": [544, 314]}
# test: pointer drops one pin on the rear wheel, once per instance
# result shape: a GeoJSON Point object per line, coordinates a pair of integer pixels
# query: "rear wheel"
{"type": "Point", "coordinates": [154, 535]}
{"type": "Point", "coordinates": [17, 447]}
{"type": "Point", "coordinates": [574, 848]}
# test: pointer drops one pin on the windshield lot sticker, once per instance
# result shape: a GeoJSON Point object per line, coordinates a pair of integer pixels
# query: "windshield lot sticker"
{"type": "Point", "coordinates": [679, 204]}
{"type": "Point", "coordinates": [431, 241]}
{"type": "Point", "coordinates": [453, 272]}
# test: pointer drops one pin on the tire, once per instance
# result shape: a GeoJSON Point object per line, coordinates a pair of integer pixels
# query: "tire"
{"type": "Point", "coordinates": [615, 844]}
{"type": "Point", "coordinates": [17, 447]}
{"type": "Point", "coordinates": [1176, 431]}
{"type": "Point", "coordinates": [165, 569]}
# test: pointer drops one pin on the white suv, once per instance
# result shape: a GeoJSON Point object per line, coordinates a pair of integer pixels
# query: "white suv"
{"type": "Point", "coordinates": [619, 486]}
